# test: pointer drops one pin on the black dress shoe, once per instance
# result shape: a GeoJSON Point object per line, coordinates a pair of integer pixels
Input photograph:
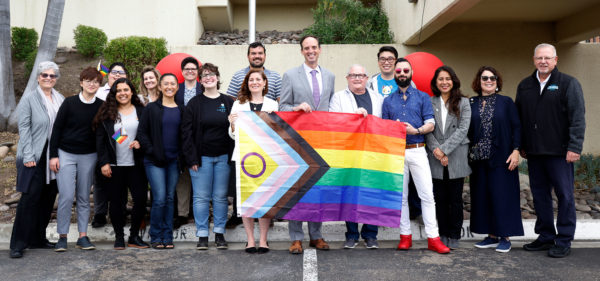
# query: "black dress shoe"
{"type": "Point", "coordinates": [16, 254]}
{"type": "Point", "coordinates": [537, 245]}
{"type": "Point", "coordinates": [43, 245]}
{"type": "Point", "coordinates": [137, 242]}
{"type": "Point", "coordinates": [559, 251]}
{"type": "Point", "coordinates": [263, 250]}
{"type": "Point", "coordinates": [250, 250]}
{"type": "Point", "coordinates": [99, 221]}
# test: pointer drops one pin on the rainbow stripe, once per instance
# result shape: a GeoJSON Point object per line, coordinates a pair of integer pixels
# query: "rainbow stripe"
{"type": "Point", "coordinates": [103, 69]}
{"type": "Point", "coordinates": [119, 136]}
{"type": "Point", "coordinates": [320, 167]}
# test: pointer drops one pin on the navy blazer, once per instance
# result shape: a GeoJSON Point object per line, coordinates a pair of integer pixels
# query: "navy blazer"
{"type": "Point", "coordinates": [506, 129]}
{"type": "Point", "coordinates": [179, 96]}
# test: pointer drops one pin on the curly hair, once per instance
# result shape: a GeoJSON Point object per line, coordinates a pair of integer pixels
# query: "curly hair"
{"type": "Point", "coordinates": [244, 94]}
{"type": "Point", "coordinates": [455, 93]}
{"type": "Point", "coordinates": [109, 110]}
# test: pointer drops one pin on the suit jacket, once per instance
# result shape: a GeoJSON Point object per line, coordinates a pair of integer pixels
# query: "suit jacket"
{"type": "Point", "coordinates": [296, 89]}
{"type": "Point", "coordinates": [344, 101]}
{"type": "Point", "coordinates": [453, 142]}
{"type": "Point", "coordinates": [180, 95]}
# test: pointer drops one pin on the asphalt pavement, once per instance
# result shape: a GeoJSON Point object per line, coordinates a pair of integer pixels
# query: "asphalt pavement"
{"type": "Point", "coordinates": [186, 263]}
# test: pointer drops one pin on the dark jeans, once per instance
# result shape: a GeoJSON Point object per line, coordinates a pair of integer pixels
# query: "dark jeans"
{"type": "Point", "coordinates": [547, 173]}
{"type": "Point", "coordinates": [162, 183]}
{"type": "Point", "coordinates": [449, 205]}
{"type": "Point", "coordinates": [101, 195]}
{"type": "Point", "coordinates": [367, 231]}
{"type": "Point", "coordinates": [124, 177]}
{"type": "Point", "coordinates": [34, 210]}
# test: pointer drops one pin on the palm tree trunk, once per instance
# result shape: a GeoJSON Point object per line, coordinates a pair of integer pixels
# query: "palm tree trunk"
{"type": "Point", "coordinates": [7, 90]}
{"type": "Point", "coordinates": [47, 48]}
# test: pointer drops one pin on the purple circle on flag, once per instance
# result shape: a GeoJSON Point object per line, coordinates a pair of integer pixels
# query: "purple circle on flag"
{"type": "Point", "coordinates": [264, 165]}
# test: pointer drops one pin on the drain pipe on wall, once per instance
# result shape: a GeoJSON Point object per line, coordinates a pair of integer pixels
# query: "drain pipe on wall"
{"type": "Point", "coordinates": [251, 21]}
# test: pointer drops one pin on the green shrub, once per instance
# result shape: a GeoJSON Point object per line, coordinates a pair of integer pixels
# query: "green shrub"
{"type": "Point", "coordinates": [23, 42]}
{"type": "Point", "coordinates": [89, 41]}
{"type": "Point", "coordinates": [135, 52]}
{"type": "Point", "coordinates": [349, 22]}
{"type": "Point", "coordinates": [29, 61]}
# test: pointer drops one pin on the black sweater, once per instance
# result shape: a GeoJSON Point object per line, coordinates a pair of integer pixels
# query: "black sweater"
{"type": "Point", "coordinates": [107, 146]}
{"type": "Point", "coordinates": [149, 133]}
{"type": "Point", "coordinates": [554, 121]}
{"type": "Point", "coordinates": [72, 131]}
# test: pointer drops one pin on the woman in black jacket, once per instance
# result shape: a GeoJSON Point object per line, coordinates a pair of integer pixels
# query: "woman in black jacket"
{"type": "Point", "coordinates": [159, 137]}
{"type": "Point", "coordinates": [207, 148]}
{"type": "Point", "coordinates": [120, 160]}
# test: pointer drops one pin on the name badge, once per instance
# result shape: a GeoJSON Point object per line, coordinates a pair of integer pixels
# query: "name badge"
{"type": "Point", "coordinates": [552, 87]}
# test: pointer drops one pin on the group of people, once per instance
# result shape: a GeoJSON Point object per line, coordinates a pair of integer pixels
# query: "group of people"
{"type": "Point", "coordinates": [179, 139]}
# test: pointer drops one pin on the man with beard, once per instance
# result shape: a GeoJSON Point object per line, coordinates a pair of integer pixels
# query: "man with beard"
{"type": "Point", "coordinates": [256, 57]}
{"type": "Point", "coordinates": [413, 108]}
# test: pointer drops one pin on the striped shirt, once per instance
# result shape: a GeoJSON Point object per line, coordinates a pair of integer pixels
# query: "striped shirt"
{"type": "Point", "coordinates": [273, 78]}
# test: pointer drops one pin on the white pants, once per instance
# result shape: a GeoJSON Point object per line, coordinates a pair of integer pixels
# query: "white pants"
{"type": "Point", "coordinates": [416, 163]}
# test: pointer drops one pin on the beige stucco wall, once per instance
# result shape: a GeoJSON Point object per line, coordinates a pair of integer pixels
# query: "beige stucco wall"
{"type": "Point", "coordinates": [176, 21]}
{"type": "Point", "coordinates": [284, 17]}
{"type": "Point", "coordinates": [465, 47]}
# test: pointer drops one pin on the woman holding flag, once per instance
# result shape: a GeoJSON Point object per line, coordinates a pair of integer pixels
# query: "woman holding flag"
{"type": "Point", "coordinates": [120, 159]}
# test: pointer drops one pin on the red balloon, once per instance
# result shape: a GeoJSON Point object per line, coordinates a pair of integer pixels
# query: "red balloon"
{"type": "Point", "coordinates": [424, 66]}
{"type": "Point", "coordinates": [172, 64]}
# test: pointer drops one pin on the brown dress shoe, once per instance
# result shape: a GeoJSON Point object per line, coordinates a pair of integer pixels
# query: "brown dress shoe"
{"type": "Point", "coordinates": [320, 244]}
{"type": "Point", "coordinates": [296, 247]}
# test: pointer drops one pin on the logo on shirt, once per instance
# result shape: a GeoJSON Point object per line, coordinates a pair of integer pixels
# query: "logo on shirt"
{"type": "Point", "coordinates": [552, 87]}
{"type": "Point", "coordinates": [386, 90]}
{"type": "Point", "coordinates": [221, 108]}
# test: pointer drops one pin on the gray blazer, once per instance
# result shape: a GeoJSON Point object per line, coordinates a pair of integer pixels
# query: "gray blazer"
{"type": "Point", "coordinates": [33, 125]}
{"type": "Point", "coordinates": [453, 142]}
{"type": "Point", "coordinates": [296, 89]}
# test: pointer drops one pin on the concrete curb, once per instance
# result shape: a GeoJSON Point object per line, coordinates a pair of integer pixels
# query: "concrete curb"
{"type": "Point", "coordinates": [332, 231]}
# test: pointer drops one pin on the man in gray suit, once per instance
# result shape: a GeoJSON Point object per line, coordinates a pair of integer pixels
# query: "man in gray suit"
{"type": "Point", "coordinates": [306, 88]}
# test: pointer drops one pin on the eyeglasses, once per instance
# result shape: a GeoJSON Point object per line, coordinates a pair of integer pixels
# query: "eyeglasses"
{"type": "Point", "coordinates": [207, 75]}
{"type": "Point", "coordinates": [356, 75]}
{"type": "Point", "coordinates": [46, 75]}
{"type": "Point", "coordinates": [388, 59]}
{"type": "Point", "coordinates": [544, 58]}
{"type": "Point", "coordinates": [91, 82]}
{"type": "Point", "coordinates": [190, 69]}
{"type": "Point", "coordinates": [400, 70]}
{"type": "Point", "coordinates": [492, 78]}
{"type": "Point", "coordinates": [117, 72]}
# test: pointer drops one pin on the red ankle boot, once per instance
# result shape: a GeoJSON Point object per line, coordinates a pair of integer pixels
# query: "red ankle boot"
{"type": "Point", "coordinates": [405, 242]}
{"type": "Point", "coordinates": [436, 245]}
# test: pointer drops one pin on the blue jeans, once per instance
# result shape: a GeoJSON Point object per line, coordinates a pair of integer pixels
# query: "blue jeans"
{"type": "Point", "coordinates": [210, 182]}
{"type": "Point", "coordinates": [162, 183]}
{"type": "Point", "coordinates": [368, 231]}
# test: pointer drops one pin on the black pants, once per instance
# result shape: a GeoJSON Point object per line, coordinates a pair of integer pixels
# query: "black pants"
{"type": "Point", "coordinates": [123, 177]}
{"type": "Point", "coordinates": [449, 205]}
{"type": "Point", "coordinates": [101, 195]}
{"type": "Point", "coordinates": [34, 210]}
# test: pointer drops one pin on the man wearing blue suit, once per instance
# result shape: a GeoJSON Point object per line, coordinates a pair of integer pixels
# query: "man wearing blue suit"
{"type": "Point", "coordinates": [306, 88]}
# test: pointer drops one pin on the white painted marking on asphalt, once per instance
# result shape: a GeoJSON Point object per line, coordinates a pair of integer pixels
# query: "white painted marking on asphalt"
{"type": "Point", "coordinates": [311, 272]}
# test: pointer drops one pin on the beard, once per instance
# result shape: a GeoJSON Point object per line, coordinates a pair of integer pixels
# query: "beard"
{"type": "Point", "coordinates": [403, 83]}
{"type": "Point", "coordinates": [254, 65]}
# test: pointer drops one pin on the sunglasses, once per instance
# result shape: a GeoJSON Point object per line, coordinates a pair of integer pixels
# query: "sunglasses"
{"type": "Point", "coordinates": [400, 70]}
{"type": "Point", "coordinates": [485, 78]}
{"type": "Point", "coordinates": [46, 75]}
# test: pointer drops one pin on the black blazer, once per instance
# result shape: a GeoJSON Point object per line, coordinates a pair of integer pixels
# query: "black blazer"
{"type": "Point", "coordinates": [149, 133]}
{"type": "Point", "coordinates": [179, 96]}
{"type": "Point", "coordinates": [191, 131]}
{"type": "Point", "coordinates": [106, 146]}
{"type": "Point", "coordinates": [506, 129]}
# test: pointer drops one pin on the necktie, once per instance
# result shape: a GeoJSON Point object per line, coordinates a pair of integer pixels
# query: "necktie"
{"type": "Point", "coordinates": [315, 88]}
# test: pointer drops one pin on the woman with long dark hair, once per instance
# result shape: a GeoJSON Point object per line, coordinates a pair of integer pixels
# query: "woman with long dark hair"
{"type": "Point", "coordinates": [447, 148]}
{"type": "Point", "coordinates": [159, 138]}
{"type": "Point", "coordinates": [207, 148]}
{"type": "Point", "coordinates": [252, 98]}
{"type": "Point", "coordinates": [120, 159]}
{"type": "Point", "coordinates": [495, 138]}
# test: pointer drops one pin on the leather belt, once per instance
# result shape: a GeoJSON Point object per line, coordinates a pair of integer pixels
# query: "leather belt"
{"type": "Point", "coordinates": [415, 145]}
